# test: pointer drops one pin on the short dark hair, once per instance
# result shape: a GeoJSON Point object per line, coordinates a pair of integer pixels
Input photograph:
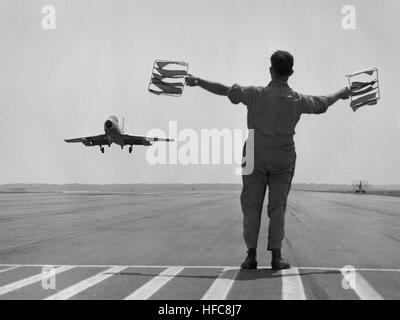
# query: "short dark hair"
{"type": "Point", "coordinates": [282, 63]}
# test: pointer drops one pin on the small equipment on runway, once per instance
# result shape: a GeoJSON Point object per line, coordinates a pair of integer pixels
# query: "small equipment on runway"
{"type": "Point", "coordinates": [364, 87]}
{"type": "Point", "coordinates": [360, 186]}
{"type": "Point", "coordinates": [168, 77]}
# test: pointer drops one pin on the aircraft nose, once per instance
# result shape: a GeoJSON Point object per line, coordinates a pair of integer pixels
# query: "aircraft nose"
{"type": "Point", "coordinates": [108, 124]}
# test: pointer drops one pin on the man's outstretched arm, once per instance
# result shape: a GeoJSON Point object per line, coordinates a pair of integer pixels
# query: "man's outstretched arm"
{"type": "Point", "coordinates": [213, 87]}
{"type": "Point", "coordinates": [320, 104]}
{"type": "Point", "coordinates": [342, 94]}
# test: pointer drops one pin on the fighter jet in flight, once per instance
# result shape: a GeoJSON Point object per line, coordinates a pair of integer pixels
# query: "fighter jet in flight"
{"type": "Point", "coordinates": [113, 133]}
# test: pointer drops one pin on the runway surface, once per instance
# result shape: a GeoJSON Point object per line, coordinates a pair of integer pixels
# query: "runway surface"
{"type": "Point", "coordinates": [188, 245]}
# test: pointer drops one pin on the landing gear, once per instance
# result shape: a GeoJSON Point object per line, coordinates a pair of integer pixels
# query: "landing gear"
{"type": "Point", "coordinates": [102, 149]}
{"type": "Point", "coordinates": [130, 149]}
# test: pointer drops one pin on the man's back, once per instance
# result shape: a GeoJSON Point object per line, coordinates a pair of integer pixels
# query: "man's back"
{"type": "Point", "coordinates": [274, 111]}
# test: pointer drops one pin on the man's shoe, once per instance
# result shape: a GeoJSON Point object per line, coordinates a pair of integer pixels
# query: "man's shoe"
{"type": "Point", "coordinates": [250, 263]}
{"type": "Point", "coordinates": [277, 262]}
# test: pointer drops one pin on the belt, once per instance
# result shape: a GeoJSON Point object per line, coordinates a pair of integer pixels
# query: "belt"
{"type": "Point", "coordinates": [273, 142]}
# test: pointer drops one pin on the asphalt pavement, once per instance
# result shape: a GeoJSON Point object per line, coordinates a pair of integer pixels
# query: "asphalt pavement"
{"type": "Point", "coordinates": [188, 245]}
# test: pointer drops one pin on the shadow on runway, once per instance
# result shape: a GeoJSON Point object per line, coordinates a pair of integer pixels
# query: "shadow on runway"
{"type": "Point", "coordinates": [241, 275]}
{"type": "Point", "coordinates": [142, 274]}
{"type": "Point", "coordinates": [248, 275]}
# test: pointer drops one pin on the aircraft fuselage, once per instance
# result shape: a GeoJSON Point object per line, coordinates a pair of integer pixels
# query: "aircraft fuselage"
{"type": "Point", "coordinates": [113, 131]}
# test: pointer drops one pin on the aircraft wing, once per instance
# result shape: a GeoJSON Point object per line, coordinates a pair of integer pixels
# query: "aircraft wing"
{"type": "Point", "coordinates": [139, 140]}
{"type": "Point", "coordinates": [90, 141]}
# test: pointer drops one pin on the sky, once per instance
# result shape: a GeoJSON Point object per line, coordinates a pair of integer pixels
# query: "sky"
{"type": "Point", "coordinates": [64, 83]}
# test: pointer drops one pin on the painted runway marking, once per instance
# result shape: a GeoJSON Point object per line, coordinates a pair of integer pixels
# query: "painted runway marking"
{"type": "Point", "coordinates": [361, 286]}
{"type": "Point", "coordinates": [195, 267]}
{"type": "Point", "coordinates": [9, 269]}
{"type": "Point", "coordinates": [221, 286]}
{"type": "Point", "coordinates": [30, 280]}
{"type": "Point", "coordinates": [155, 284]}
{"type": "Point", "coordinates": [85, 284]}
{"type": "Point", "coordinates": [292, 286]}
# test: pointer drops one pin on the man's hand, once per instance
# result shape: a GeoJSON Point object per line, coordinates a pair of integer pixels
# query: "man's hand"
{"type": "Point", "coordinates": [192, 81]}
{"type": "Point", "coordinates": [344, 94]}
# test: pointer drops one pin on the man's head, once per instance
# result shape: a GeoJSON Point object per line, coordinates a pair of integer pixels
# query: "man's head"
{"type": "Point", "coordinates": [281, 65]}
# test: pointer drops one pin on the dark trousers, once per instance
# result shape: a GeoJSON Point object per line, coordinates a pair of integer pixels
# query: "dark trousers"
{"type": "Point", "coordinates": [273, 168]}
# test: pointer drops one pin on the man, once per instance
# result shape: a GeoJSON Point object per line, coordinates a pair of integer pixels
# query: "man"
{"type": "Point", "coordinates": [273, 113]}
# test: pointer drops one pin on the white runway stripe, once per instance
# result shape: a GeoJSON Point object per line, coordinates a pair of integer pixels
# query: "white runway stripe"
{"type": "Point", "coordinates": [361, 286]}
{"type": "Point", "coordinates": [30, 280]}
{"type": "Point", "coordinates": [84, 284]}
{"type": "Point", "coordinates": [9, 269]}
{"type": "Point", "coordinates": [151, 287]}
{"type": "Point", "coordinates": [221, 286]}
{"type": "Point", "coordinates": [292, 287]}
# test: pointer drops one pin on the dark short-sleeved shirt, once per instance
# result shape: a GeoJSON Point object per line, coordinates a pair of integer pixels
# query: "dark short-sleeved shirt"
{"type": "Point", "coordinates": [274, 111]}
